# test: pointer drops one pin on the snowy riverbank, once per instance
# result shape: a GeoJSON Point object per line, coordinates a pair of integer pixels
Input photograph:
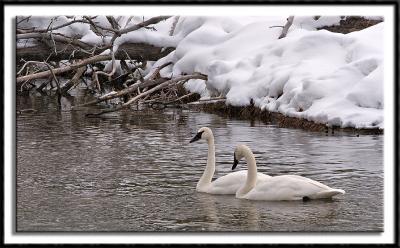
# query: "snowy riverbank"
{"type": "Point", "coordinates": [316, 75]}
{"type": "Point", "coordinates": [329, 78]}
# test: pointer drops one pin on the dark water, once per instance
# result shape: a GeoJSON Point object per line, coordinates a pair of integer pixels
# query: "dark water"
{"type": "Point", "coordinates": [136, 171]}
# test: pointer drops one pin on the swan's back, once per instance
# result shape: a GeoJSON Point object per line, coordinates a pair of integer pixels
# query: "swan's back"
{"type": "Point", "coordinates": [290, 187]}
{"type": "Point", "coordinates": [230, 183]}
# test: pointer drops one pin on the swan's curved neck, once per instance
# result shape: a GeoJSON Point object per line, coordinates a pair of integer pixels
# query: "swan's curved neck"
{"type": "Point", "coordinates": [251, 179]}
{"type": "Point", "coordinates": [208, 173]}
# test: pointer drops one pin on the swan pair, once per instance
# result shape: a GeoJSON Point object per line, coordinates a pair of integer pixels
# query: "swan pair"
{"type": "Point", "coordinates": [253, 185]}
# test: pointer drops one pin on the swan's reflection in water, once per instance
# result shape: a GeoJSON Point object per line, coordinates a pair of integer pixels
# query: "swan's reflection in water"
{"type": "Point", "coordinates": [209, 210]}
{"type": "Point", "coordinates": [135, 171]}
{"type": "Point", "coordinates": [220, 211]}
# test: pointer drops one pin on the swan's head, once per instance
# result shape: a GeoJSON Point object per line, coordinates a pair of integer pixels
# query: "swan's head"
{"type": "Point", "coordinates": [202, 133]}
{"type": "Point", "coordinates": [240, 152]}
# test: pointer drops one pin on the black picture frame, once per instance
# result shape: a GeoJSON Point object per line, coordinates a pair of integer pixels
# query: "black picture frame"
{"type": "Point", "coordinates": [395, 6]}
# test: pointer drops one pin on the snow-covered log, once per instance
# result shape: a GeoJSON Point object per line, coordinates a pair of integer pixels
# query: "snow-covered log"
{"type": "Point", "coordinates": [60, 70]}
{"type": "Point", "coordinates": [136, 51]}
{"type": "Point", "coordinates": [58, 38]}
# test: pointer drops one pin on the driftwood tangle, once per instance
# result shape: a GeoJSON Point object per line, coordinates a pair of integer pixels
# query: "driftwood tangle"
{"type": "Point", "coordinates": [47, 54]}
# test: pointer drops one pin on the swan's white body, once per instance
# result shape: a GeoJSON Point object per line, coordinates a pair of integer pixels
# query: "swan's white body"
{"type": "Point", "coordinates": [279, 188]}
{"type": "Point", "coordinates": [227, 184]}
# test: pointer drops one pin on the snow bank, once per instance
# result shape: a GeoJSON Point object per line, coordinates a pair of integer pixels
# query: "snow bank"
{"type": "Point", "coordinates": [330, 78]}
{"type": "Point", "coordinates": [159, 36]}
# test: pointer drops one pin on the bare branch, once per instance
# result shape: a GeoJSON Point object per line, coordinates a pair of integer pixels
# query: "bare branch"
{"type": "Point", "coordinates": [74, 66]}
{"type": "Point", "coordinates": [172, 30]}
{"type": "Point", "coordinates": [23, 19]}
{"type": "Point", "coordinates": [151, 81]}
{"type": "Point", "coordinates": [61, 26]}
{"type": "Point", "coordinates": [113, 22]}
{"type": "Point", "coordinates": [158, 87]}
{"type": "Point", "coordinates": [156, 72]}
{"type": "Point", "coordinates": [152, 20]}
{"type": "Point", "coordinates": [74, 81]}
{"type": "Point", "coordinates": [56, 37]}
{"type": "Point", "coordinates": [286, 27]}
{"type": "Point", "coordinates": [128, 21]}
{"type": "Point", "coordinates": [54, 77]}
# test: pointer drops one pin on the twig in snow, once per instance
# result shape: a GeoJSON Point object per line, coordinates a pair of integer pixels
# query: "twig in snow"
{"type": "Point", "coordinates": [286, 27]}
{"type": "Point", "coordinates": [172, 30]}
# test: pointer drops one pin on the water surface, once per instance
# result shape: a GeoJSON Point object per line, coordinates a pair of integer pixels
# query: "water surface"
{"type": "Point", "coordinates": [136, 171]}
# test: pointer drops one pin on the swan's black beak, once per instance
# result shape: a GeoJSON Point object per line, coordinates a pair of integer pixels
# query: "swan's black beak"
{"type": "Point", "coordinates": [196, 137]}
{"type": "Point", "coordinates": [235, 162]}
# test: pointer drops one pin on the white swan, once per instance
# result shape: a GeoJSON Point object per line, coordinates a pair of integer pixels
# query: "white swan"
{"type": "Point", "coordinates": [278, 188]}
{"type": "Point", "coordinates": [227, 184]}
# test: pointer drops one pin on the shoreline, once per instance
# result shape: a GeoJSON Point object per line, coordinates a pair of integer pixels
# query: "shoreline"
{"type": "Point", "coordinates": [253, 113]}
{"type": "Point", "coordinates": [350, 24]}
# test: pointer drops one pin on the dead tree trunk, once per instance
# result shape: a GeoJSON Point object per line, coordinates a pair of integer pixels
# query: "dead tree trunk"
{"type": "Point", "coordinates": [136, 51]}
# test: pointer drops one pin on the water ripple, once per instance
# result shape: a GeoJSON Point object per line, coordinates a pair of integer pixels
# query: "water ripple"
{"type": "Point", "coordinates": [136, 171]}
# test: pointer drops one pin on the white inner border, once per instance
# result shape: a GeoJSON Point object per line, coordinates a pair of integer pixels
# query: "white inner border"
{"type": "Point", "coordinates": [254, 10]}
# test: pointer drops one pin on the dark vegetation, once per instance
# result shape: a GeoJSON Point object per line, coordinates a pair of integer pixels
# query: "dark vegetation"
{"type": "Point", "coordinates": [351, 24]}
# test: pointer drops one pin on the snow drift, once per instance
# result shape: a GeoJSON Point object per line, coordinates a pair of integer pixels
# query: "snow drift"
{"type": "Point", "coordinates": [325, 77]}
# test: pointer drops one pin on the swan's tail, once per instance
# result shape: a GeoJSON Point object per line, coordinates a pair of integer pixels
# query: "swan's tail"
{"type": "Point", "coordinates": [329, 193]}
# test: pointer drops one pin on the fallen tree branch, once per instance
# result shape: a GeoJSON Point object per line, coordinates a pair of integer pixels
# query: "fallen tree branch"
{"type": "Point", "coordinates": [54, 77]}
{"type": "Point", "coordinates": [75, 79]}
{"type": "Point", "coordinates": [72, 46]}
{"type": "Point", "coordinates": [163, 85]}
{"type": "Point", "coordinates": [60, 26]}
{"type": "Point", "coordinates": [130, 89]}
{"type": "Point", "coordinates": [57, 46]}
{"type": "Point", "coordinates": [136, 51]}
{"type": "Point", "coordinates": [210, 100]}
{"type": "Point", "coordinates": [276, 26]}
{"type": "Point", "coordinates": [173, 101]}
{"type": "Point", "coordinates": [150, 21]}
{"type": "Point", "coordinates": [27, 63]}
{"type": "Point", "coordinates": [114, 69]}
{"type": "Point", "coordinates": [55, 37]}
{"type": "Point", "coordinates": [151, 81]}
{"type": "Point", "coordinates": [110, 96]}
{"type": "Point", "coordinates": [50, 69]}
{"type": "Point", "coordinates": [60, 70]}
{"type": "Point", "coordinates": [158, 87]}
{"type": "Point", "coordinates": [183, 97]}
{"type": "Point", "coordinates": [156, 72]}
